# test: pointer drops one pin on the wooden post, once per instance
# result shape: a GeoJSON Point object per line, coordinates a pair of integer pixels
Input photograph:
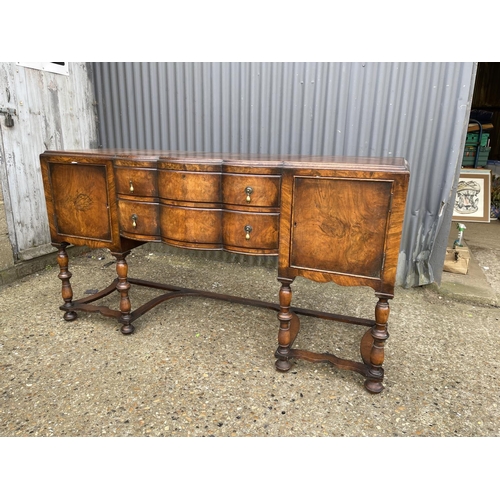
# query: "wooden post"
{"type": "Point", "coordinates": [65, 275]}
{"type": "Point", "coordinates": [285, 317]}
{"type": "Point", "coordinates": [380, 335]}
{"type": "Point", "coordinates": [123, 287]}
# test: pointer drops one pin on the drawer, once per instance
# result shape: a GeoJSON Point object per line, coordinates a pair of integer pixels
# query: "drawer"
{"type": "Point", "coordinates": [136, 181]}
{"type": "Point", "coordinates": [190, 227]}
{"type": "Point", "coordinates": [253, 233]}
{"type": "Point", "coordinates": [188, 186]}
{"type": "Point", "coordinates": [138, 220]}
{"type": "Point", "coordinates": [251, 190]}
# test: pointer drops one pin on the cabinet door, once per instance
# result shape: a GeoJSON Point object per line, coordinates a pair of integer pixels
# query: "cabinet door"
{"type": "Point", "coordinates": [342, 225]}
{"type": "Point", "coordinates": [81, 200]}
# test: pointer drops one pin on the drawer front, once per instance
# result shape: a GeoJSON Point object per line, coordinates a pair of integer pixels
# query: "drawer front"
{"type": "Point", "coordinates": [253, 233]}
{"type": "Point", "coordinates": [191, 227]}
{"type": "Point", "coordinates": [136, 181]}
{"type": "Point", "coordinates": [250, 190]}
{"type": "Point", "coordinates": [138, 220]}
{"type": "Point", "coordinates": [186, 186]}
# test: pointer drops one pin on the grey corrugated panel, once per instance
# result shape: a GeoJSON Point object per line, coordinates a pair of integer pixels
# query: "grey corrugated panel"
{"type": "Point", "coordinates": [415, 110]}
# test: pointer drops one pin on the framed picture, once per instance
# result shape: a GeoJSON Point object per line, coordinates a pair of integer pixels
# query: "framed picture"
{"type": "Point", "coordinates": [473, 199]}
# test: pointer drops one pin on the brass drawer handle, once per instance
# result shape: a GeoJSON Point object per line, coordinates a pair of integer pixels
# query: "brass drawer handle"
{"type": "Point", "coordinates": [248, 191]}
{"type": "Point", "coordinates": [248, 230]}
{"type": "Point", "coordinates": [131, 188]}
{"type": "Point", "coordinates": [134, 220]}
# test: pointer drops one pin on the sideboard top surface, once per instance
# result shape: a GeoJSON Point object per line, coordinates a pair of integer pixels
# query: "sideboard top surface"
{"type": "Point", "coordinates": [386, 163]}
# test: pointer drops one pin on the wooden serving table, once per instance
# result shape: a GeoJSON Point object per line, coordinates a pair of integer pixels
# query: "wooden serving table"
{"type": "Point", "coordinates": [327, 219]}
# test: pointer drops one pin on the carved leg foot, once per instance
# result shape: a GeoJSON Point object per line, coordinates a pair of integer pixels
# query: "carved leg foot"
{"type": "Point", "coordinates": [64, 275]}
{"type": "Point", "coordinates": [123, 287]}
{"type": "Point", "coordinates": [374, 386]}
{"type": "Point", "coordinates": [379, 334]}
{"type": "Point", "coordinates": [285, 316]}
{"type": "Point", "coordinates": [70, 315]}
{"type": "Point", "coordinates": [127, 329]}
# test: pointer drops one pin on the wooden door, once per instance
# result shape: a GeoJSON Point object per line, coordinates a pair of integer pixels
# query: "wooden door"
{"type": "Point", "coordinates": [49, 111]}
{"type": "Point", "coordinates": [343, 224]}
{"type": "Point", "coordinates": [340, 225]}
{"type": "Point", "coordinates": [81, 200]}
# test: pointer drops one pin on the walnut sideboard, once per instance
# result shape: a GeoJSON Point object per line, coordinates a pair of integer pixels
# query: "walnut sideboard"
{"type": "Point", "coordinates": [326, 218]}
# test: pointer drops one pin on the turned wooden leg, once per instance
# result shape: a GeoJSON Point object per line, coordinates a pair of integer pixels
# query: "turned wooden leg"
{"type": "Point", "coordinates": [285, 317]}
{"type": "Point", "coordinates": [379, 334]}
{"type": "Point", "coordinates": [123, 287]}
{"type": "Point", "coordinates": [64, 275]}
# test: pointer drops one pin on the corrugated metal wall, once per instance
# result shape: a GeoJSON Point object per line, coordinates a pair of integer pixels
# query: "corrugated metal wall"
{"type": "Point", "coordinates": [415, 110]}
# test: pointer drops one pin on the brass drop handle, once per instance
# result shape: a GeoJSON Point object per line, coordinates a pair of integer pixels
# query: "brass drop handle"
{"type": "Point", "coordinates": [134, 220]}
{"type": "Point", "coordinates": [248, 230]}
{"type": "Point", "coordinates": [248, 191]}
{"type": "Point", "coordinates": [131, 188]}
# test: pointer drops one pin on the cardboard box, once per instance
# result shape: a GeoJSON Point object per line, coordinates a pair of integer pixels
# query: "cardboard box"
{"type": "Point", "coordinates": [457, 260]}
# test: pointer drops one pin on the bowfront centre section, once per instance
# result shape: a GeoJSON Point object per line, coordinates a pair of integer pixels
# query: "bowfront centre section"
{"type": "Point", "coordinates": [326, 219]}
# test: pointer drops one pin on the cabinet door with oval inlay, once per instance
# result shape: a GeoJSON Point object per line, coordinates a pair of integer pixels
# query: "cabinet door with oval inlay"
{"type": "Point", "coordinates": [81, 200]}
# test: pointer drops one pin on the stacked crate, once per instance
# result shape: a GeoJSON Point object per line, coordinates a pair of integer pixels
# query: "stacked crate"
{"type": "Point", "coordinates": [473, 147]}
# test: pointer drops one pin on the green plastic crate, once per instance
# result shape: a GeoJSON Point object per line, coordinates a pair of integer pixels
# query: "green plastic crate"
{"type": "Point", "coordinates": [473, 139]}
{"type": "Point", "coordinates": [470, 156]}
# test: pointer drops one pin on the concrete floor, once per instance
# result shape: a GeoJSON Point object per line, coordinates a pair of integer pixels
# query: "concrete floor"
{"type": "Point", "coordinates": [482, 282]}
{"type": "Point", "coordinates": [199, 367]}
